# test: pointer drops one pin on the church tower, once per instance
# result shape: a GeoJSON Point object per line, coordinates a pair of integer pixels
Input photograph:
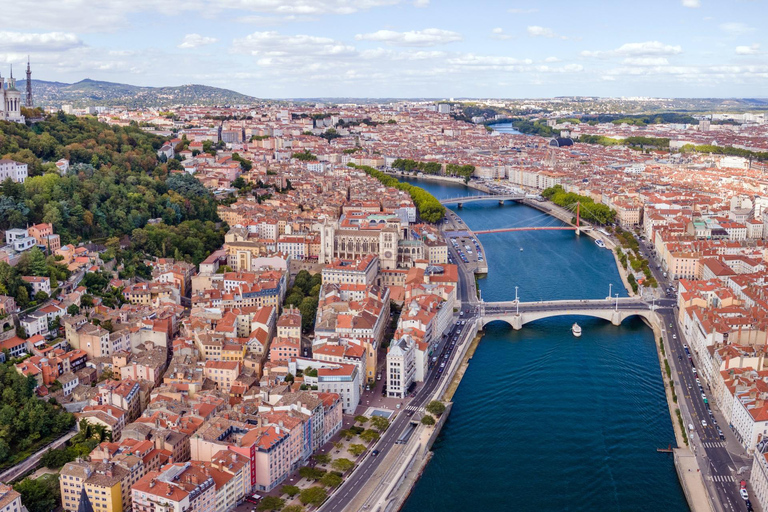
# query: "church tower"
{"type": "Point", "coordinates": [29, 85]}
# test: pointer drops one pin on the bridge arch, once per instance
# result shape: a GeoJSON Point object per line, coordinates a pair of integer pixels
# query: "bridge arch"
{"type": "Point", "coordinates": [616, 317]}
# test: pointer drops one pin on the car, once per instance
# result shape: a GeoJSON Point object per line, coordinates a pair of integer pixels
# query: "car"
{"type": "Point", "coordinates": [685, 346]}
{"type": "Point", "coordinates": [743, 484]}
{"type": "Point", "coordinates": [698, 382]}
{"type": "Point", "coordinates": [680, 358]}
{"type": "Point", "coordinates": [703, 396]}
{"type": "Point", "coordinates": [398, 406]}
{"type": "Point", "coordinates": [374, 453]}
{"type": "Point", "coordinates": [704, 423]}
{"type": "Point", "coordinates": [744, 494]}
{"type": "Point", "coordinates": [694, 371]}
{"type": "Point", "coordinates": [253, 499]}
{"type": "Point", "coordinates": [674, 336]}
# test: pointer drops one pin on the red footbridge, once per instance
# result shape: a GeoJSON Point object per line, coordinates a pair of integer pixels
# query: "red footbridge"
{"type": "Point", "coordinates": [576, 228]}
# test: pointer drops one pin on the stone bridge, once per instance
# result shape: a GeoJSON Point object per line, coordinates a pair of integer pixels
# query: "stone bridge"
{"type": "Point", "coordinates": [461, 201]}
{"type": "Point", "coordinates": [517, 315]}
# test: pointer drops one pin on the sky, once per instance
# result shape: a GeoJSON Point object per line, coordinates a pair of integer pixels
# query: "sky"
{"type": "Point", "coordinates": [398, 48]}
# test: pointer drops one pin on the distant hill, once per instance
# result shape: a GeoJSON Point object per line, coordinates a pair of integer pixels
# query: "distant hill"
{"type": "Point", "coordinates": [96, 93]}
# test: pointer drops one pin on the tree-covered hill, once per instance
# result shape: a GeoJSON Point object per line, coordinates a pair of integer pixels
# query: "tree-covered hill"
{"type": "Point", "coordinates": [114, 186]}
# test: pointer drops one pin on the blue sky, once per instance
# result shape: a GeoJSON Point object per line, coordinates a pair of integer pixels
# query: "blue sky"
{"type": "Point", "coordinates": [399, 48]}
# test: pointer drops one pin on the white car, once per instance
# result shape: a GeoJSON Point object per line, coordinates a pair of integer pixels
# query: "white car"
{"type": "Point", "coordinates": [744, 494]}
{"type": "Point", "coordinates": [704, 423]}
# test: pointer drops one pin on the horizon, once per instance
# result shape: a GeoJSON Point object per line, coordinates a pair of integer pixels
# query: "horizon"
{"type": "Point", "coordinates": [398, 48]}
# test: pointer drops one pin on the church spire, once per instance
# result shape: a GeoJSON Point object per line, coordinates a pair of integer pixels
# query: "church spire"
{"type": "Point", "coordinates": [29, 84]}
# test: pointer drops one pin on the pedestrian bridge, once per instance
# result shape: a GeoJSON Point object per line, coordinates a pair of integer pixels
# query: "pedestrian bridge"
{"type": "Point", "coordinates": [517, 315]}
{"type": "Point", "coordinates": [461, 201]}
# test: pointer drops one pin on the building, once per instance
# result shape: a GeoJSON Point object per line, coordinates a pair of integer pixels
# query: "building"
{"type": "Point", "coordinates": [344, 380]}
{"type": "Point", "coordinates": [175, 488]}
{"type": "Point", "coordinates": [19, 239]}
{"type": "Point", "coordinates": [10, 101]}
{"type": "Point", "coordinates": [15, 171]}
{"type": "Point", "coordinates": [101, 484]}
{"type": "Point", "coordinates": [401, 366]}
{"type": "Point", "coordinates": [10, 500]}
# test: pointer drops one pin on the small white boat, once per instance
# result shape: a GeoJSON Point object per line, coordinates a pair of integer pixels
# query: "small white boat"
{"type": "Point", "coordinates": [576, 330]}
{"type": "Point", "coordinates": [600, 243]}
{"type": "Point", "coordinates": [521, 249]}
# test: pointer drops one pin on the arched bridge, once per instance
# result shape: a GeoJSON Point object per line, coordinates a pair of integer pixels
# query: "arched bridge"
{"type": "Point", "coordinates": [516, 315]}
{"type": "Point", "coordinates": [461, 201]}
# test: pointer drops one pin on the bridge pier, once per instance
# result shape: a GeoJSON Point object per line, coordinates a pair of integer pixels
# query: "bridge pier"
{"type": "Point", "coordinates": [461, 205]}
{"type": "Point", "coordinates": [501, 203]}
{"type": "Point", "coordinates": [578, 231]}
{"type": "Point", "coordinates": [517, 322]}
{"type": "Point", "coordinates": [616, 318]}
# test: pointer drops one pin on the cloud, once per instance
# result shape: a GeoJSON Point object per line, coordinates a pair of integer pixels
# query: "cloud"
{"type": "Point", "coordinates": [498, 33]}
{"type": "Point", "coordinates": [522, 11]}
{"type": "Point", "coordinates": [426, 37]}
{"type": "Point", "coordinates": [646, 49]}
{"type": "Point", "coordinates": [196, 40]}
{"type": "Point", "coordinates": [47, 42]}
{"type": "Point", "coordinates": [421, 3]}
{"type": "Point", "coordinates": [537, 31]}
{"type": "Point", "coordinates": [274, 48]}
{"type": "Point", "coordinates": [748, 50]}
{"type": "Point", "coordinates": [551, 59]}
{"type": "Point", "coordinates": [692, 3]}
{"type": "Point", "coordinates": [735, 28]}
{"type": "Point", "coordinates": [646, 61]}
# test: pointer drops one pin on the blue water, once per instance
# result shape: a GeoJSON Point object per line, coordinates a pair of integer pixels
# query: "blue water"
{"type": "Point", "coordinates": [543, 421]}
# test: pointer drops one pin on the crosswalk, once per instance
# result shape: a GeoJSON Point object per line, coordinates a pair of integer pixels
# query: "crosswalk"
{"type": "Point", "coordinates": [713, 444]}
{"type": "Point", "coordinates": [412, 408]}
{"type": "Point", "coordinates": [722, 478]}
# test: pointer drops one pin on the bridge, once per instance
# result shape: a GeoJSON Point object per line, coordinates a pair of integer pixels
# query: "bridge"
{"type": "Point", "coordinates": [517, 314]}
{"type": "Point", "coordinates": [461, 201]}
{"type": "Point", "coordinates": [540, 228]}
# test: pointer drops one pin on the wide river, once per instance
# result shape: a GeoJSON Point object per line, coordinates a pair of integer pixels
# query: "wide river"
{"type": "Point", "coordinates": [543, 421]}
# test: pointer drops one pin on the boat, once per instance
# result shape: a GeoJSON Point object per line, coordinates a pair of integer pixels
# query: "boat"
{"type": "Point", "coordinates": [576, 330]}
{"type": "Point", "coordinates": [521, 249]}
{"type": "Point", "coordinates": [600, 243]}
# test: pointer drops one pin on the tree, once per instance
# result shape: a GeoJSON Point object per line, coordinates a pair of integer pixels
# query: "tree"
{"type": "Point", "coordinates": [288, 377]}
{"type": "Point", "coordinates": [346, 434]}
{"type": "Point", "coordinates": [342, 465]}
{"type": "Point", "coordinates": [41, 296]}
{"type": "Point", "coordinates": [370, 436]}
{"type": "Point", "coordinates": [428, 420]}
{"type": "Point", "coordinates": [436, 407]}
{"type": "Point", "coordinates": [322, 458]}
{"type": "Point", "coordinates": [361, 419]}
{"type": "Point", "coordinates": [311, 473]}
{"type": "Point", "coordinates": [290, 490]}
{"type": "Point", "coordinates": [73, 309]}
{"type": "Point", "coordinates": [312, 496]}
{"type": "Point", "coordinates": [40, 495]}
{"type": "Point", "coordinates": [86, 301]}
{"type": "Point", "coordinates": [271, 503]}
{"type": "Point", "coordinates": [331, 480]}
{"type": "Point", "coordinates": [380, 423]}
{"type": "Point", "coordinates": [356, 449]}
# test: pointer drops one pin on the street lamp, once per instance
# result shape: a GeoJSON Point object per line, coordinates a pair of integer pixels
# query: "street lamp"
{"type": "Point", "coordinates": [610, 290]}
{"type": "Point", "coordinates": [517, 303]}
{"type": "Point", "coordinates": [617, 302]}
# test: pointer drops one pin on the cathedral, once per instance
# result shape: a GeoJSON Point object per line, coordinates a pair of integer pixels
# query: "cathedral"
{"type": "Point", "coordinates": [10, 100]}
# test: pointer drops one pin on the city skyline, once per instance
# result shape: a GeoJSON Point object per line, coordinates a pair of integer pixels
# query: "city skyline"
{"type": "Point", "coordinates": [393, 48]}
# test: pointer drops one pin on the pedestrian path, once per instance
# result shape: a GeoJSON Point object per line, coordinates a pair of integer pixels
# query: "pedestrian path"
{"type": "Point", "coordinates": [714, 444]}
{"type": "Point", "coordinates": [413, 408]}
{"type": "Point", "coordinates": [721, 478]}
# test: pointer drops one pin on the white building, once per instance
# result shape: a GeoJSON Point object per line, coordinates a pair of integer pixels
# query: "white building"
{"type": "Point", "coordinates": [750, 422]}
{"type": "Point", "coordinates": [344, 380]}
{"type": "Point", "coordinates": [401, 366]}
{"type": "Point", "coordinates": [16, 171]}
{"type": "Point", "coordinates": [759, 476]}
{"type": "Point", "coordinates": [10, 100]}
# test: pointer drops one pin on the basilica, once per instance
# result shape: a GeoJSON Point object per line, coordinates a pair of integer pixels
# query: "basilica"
{"type": "Point", "coordinates": [10, 100]}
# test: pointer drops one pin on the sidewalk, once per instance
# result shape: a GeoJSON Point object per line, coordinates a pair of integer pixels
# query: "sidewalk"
{"type": "Point", "coordinates": [692, 480]}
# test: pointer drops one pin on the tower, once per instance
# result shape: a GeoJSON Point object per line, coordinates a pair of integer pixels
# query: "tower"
{"type": "Point", "coordinates": [29, 85]}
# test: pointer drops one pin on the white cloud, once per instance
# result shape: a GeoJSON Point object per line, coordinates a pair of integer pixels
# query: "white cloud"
{"type": "Point", "coordinates": [272, 47]}
{"type": "Point", "coordinates": [426, 37]}
{"type": "Point", "coordinates": [522, 11]}
{"type": "Point", "coordinates": [551, 59]}
{"type": "Point", "coordinates": [421, 3]}
{"type": "Point", "coordinates": [498, 33]}
{"type": "Point", "coordinates": [646, 61]}
{"type": "Point", "coordinates": [748, 50]}
{"type": "Point", "coordinates": [646, 49]}
{"type": "Point", "coordinates": [196, 40]}
{"type": "Point", "coordinates": [537, 31]}
{"type": "Point", "coordinates": [692, 3]}
{"type": "Point", "coordinates": [736, 28]}
{"type": "Point", "coordinates": [48, 42]}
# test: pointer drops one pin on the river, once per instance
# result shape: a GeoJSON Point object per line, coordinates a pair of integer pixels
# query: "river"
{"type": "Point", "coordinates": [543, 421]}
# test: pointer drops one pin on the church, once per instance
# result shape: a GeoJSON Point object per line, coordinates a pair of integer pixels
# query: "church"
{"type": "Point", "coordinates": [10, 100]}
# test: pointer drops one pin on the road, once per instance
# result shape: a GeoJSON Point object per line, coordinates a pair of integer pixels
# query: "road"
{"type": "Point", "coordinates": [30, 462]}
{"type": "Point", "coordinates": [357, 480]}
{"type": "Point", "coordinates": [714, 458]}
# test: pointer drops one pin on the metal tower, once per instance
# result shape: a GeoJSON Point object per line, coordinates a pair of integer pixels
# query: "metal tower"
{"type": "Point", "coordinates": [29, 85]}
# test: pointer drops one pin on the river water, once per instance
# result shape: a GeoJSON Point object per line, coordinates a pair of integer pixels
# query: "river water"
{"type": "Point", "coordinates": [543, 421]}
